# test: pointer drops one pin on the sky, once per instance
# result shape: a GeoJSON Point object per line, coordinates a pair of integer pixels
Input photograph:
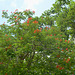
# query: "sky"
{"type": "Point", "coordinates": [39, 6]}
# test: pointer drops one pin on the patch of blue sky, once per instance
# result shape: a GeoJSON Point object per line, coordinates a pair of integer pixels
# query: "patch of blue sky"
{"type": "Point", "coordinates": [39, 6]}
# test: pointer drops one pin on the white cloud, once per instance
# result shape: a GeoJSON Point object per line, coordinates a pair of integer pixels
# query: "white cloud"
{"type": "Point", "coordinates": [30, 4]}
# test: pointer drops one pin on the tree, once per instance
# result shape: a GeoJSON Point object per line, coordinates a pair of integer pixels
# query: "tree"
{"type": "Point", "coordinates": [33, 50]}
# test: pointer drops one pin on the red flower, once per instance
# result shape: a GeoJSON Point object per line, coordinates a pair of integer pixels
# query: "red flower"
{"type": "Point", "coordinates": [60, 68]}
{"type": "Point", "coordinates": [15, 20]}
{"type": "Point", "coordinates": [67, 60]}
{"type": "Point", "coordinates": [51, 35]}
{"type": "Point", "coordinates": [66, 48]}
{"type": "Point", "coordinates": [3, 10]}
{"type": "Point", "coordinates": [40, 28]}
{"type": "Point", "coordinates": [12, 25]}
{"type": "Point", "coordinates": [1, 63]}
{"type": "Point", "coordinates": [16, 10]}
{"type": "Point", "coordinates": [7, 10]}
{"type": "Point", "coordinates": [9, 39]}
{"type": "Point", "coordinates": [49, 28]}
{"type": "Point", "coordinates": [58, 55]}
{"type": "Point", "coordinates": [3, 23]}
{"type": "Point", "coordinates": [64, 59]}
{"type": "Point", "coordinates": [33, 11]}
{"type": "Point", "coordinates": [63, 68]}
{"type": "Point", "coordinates": [21, 38]}
{"type": "Point", "coordinates": [60, 39]}
{"type": "Point", "coordinates": [15, 17]}
{"type": "Point", "coordinates": [42, 17]}
{"type": "Point", "coordinates": [58, 47]}
{"type": "Point", "coordinates": [57, 66]}
{"type": "Point", "coordinates": [35, 31]}
{"type": "Point", "coordinates": [18, 18]}
{"type": "Point", "coordinates": [23, 22]}
{"type": "Point", "coordinates": [30, 18]}
{"type": "Point", "coordinates": [62, 50]}
{"type": "Point", "coordinates": [27, 24]}
{"type": "Point", "coordinates": [54, 34]}
{"type": "Point", "coordinates": [17, 23]}
{"type": "Point", "coordinates": [9, 45]}
{"type": "Point", "coordinates": [46, 27]}
{"type": "Point", "coordinates": [5, 73]}
{"type": "Point", "coordinates": [27, 9]}
{"type": "Point", "coordinates": [35, 21]}
{"type": "Point", "coordinates": [56, 38]}
{"type": "Point", "coordinates": [65, 40]}
{"type": "Point", "coordinates": [6, 35]}
{"type": "Point", "coordinates": [68, 41]}
{"type": "Point", "coordinates": [27, 21]}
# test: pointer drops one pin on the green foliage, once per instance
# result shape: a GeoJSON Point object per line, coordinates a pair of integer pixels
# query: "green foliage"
{"type": "Point", "coordinates": [34, 50]}
{"type": "Point", "coordinates": [62, 13]}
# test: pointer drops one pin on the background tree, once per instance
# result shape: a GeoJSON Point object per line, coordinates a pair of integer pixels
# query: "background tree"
{"type": "Point", "coordinates": [63, 13]}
